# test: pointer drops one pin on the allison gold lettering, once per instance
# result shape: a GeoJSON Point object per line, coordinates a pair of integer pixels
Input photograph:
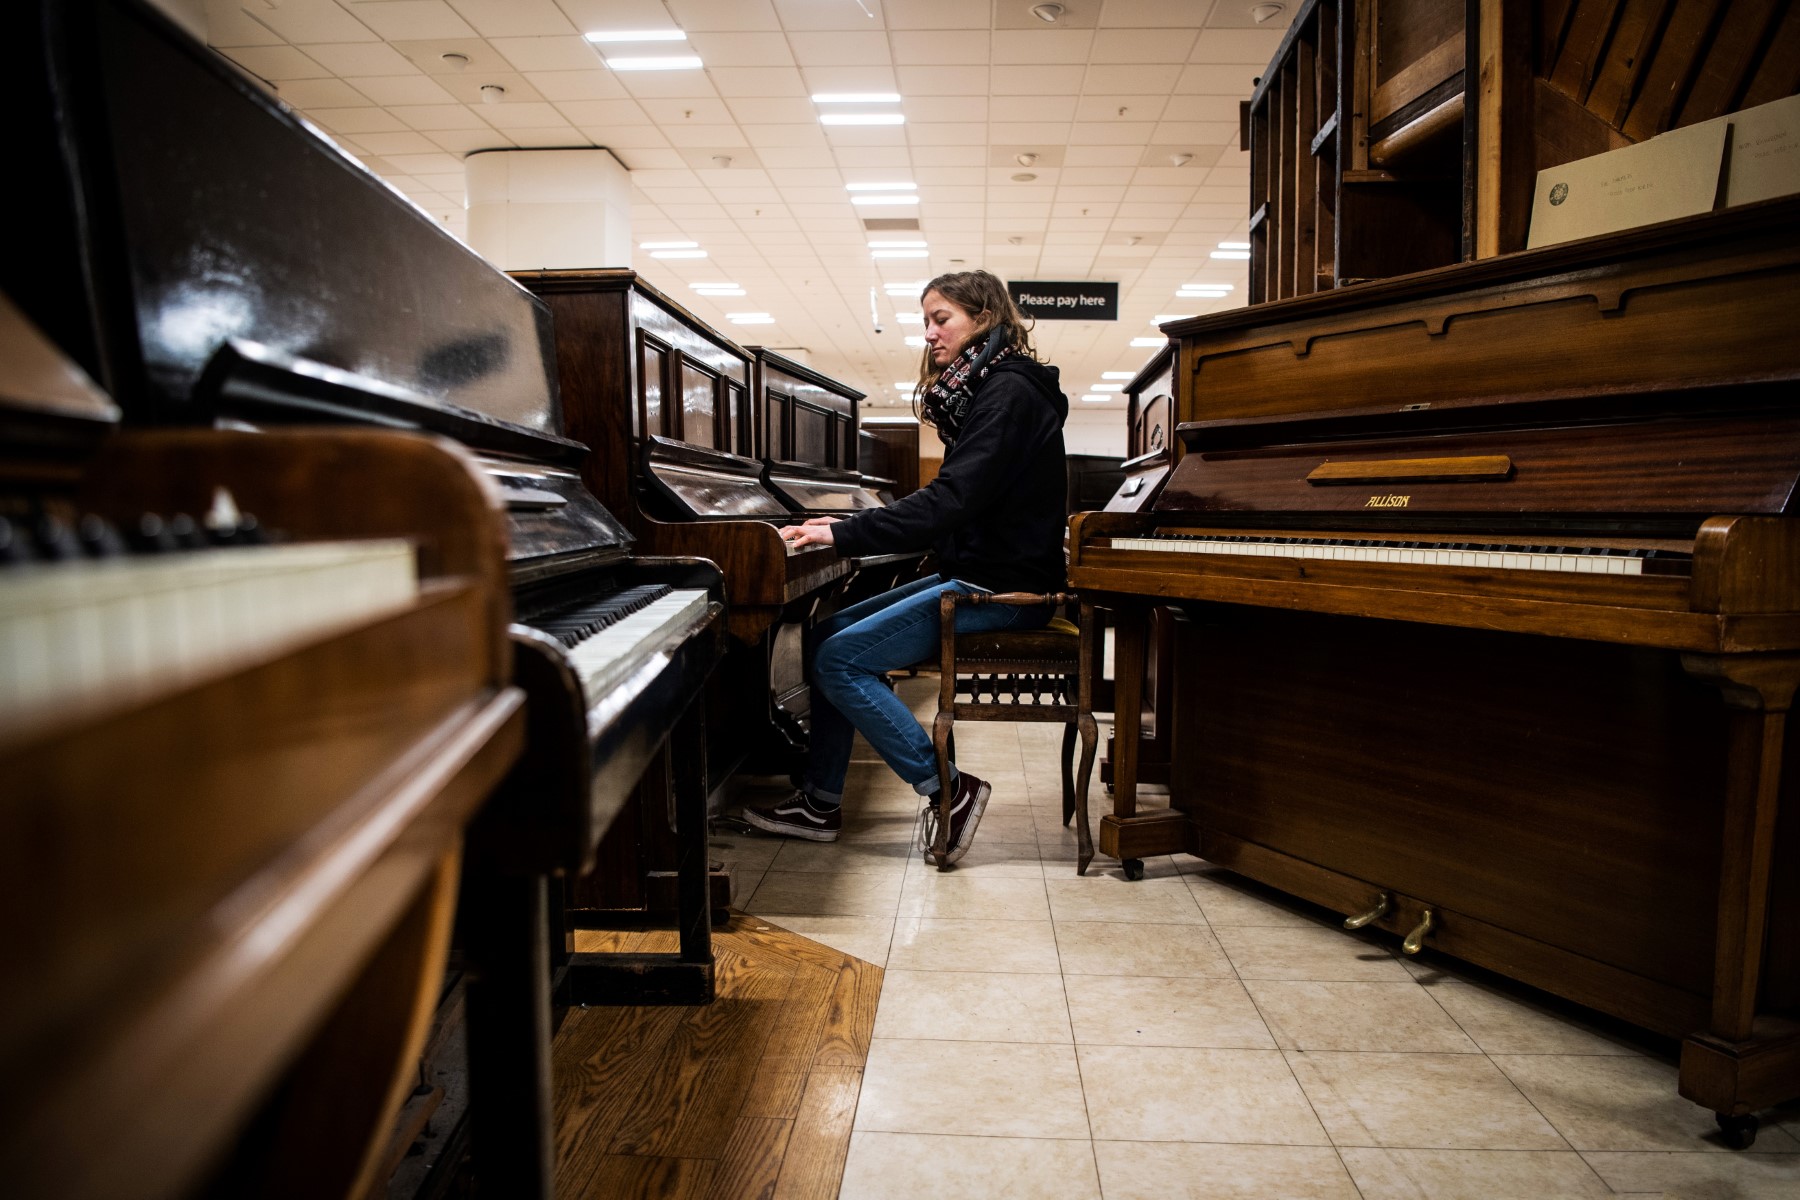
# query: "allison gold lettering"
{"type": "Point", "coordinates": [1387, 501]}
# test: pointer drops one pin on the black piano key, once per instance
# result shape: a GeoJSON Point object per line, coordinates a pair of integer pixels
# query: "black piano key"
{"type": "Point", "coordinates": [98, 537]}
{"type": "Point", "coordinates": [54, 540]}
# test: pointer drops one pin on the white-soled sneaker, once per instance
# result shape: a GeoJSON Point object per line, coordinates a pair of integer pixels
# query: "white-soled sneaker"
{"type": "Point", "coordinates": [799, 816]}
{"type": "Point", "coordinates": [966, 808]}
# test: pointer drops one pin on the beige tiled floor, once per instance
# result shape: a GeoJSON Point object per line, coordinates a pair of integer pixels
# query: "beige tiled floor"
{"type": "Point", "coordinates": [1191, 1034]}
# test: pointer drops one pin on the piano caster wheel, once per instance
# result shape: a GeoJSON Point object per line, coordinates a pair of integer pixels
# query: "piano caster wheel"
{"type": "Point", "coordinates": [1134, 868]}
{"type": "Point", "coordinates": [1737, 1132]}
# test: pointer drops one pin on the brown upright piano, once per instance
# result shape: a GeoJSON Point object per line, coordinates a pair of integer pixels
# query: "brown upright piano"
{"type": "Point", "coordinates": [666, 403]}
{"type": "Point", "coordinates": [1493, 583]}
{"type": "Point", "coordinates": [218, 262]}
{"type": "Point", "coordinates": [255, 688]}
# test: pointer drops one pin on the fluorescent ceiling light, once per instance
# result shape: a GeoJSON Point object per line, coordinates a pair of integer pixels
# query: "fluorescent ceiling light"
{"type": "Point", "coordinates": [698, 286]}
{"type": "Point", "coordinates": [855, 118]}
{"type": "Point", "coordinates": [674, 62]}
{"type": "Point", "coordinates": [1231, 254]}
{"type": "Point", "coordinates": [881, 187]}
{"type": "Point", "coordinates": [856, 98]}
{"type": "Point", "coordinates": [721, 291]}
{"type": "Point", "coordinates": [1118, 375]}
{"type": "Point", "coordinates": [903, 387]}
{"type": "Point", "coordinates": [890, 245]}
{"type": "Point", "coordinates": [1107, 387]}
{"type": "Point", "coordinates": [1205, 287]}
{"type": "Point", "coordinates": [1095, 399]}
{"type": "Point", "coordinates": [1201, 295]}
{"type": "Point", "coordinates": [916, 341]}
{"type": "Point", "coordinates": [909, 318]}
{"type": "Point", "coordinates": [1161, 318]}
{"type": "Point", "coordinates": [1234, 245]}
{"type": "Point", "coordinates": [904, 289]}
{"type": "Point", "coordinates": [750, 318]}
{"type": "Point", "coordinates": [636, 35]}
{"type": "Point", "coordinates": [1149, 341]}
{"type": "Point", "coordinates": [885, 198]}
{"type": "Point", "coordinates": [677, 246]}
{"type": "Point", "coordinates": [899, 253]}
{"type": "Point", "coordinates": [678, 254]}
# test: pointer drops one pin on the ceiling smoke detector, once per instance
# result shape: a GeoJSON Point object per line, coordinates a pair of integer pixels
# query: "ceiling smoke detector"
{"type": "Point", "coordinates": [1051, 13]}
{"type": "Point", "coordinates": [1262, 13]}
{"type": "Point", "coordinates": [454, 61]}
{"type": "Point", "coordinates": [1180, 160]}
{"type": "Point", "coordinates": [1025, 160]}
{"type": "Point", "coordinates": [722, 161]}
{"type": "Point", "coordinates": [1024, 177]}
{"type": "Point", "coordinates": [492, 93]}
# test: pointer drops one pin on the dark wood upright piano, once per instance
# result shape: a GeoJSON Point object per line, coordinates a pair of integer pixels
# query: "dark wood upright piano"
{"type": "Point", "coordinates": [1492, 576]}
{"type": "Point", "coordinates": [696, 466]}
{"type": "Point", "coordinates": [219, 262]}
{"type": "Point", "coordinates": [256, 688]}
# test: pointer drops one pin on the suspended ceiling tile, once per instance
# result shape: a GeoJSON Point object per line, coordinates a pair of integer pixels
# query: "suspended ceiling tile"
{"type": "Point", "coordinates": [949, 156]}
{"type": "Point", "coordinates": [309, 94]}
{"type": "Point", "coordinates": [848, 15]}
{"type": "Point", "coordinates": [1103, 107]}
{"type": "Point", "coordinates": [778, 158]}
{"type": "Point", "coordinates": [1053, 132]}
{"type": "Point", "coordinates": [939, 49]}
{"type": "Point", "coordinates": [432, 118]}
{"type": "Point", "coordinates": [394, 19]}
{"type": "Point", "coordinates": [1032, 81]}
{"type": "Point", "coordinates": [694, 15]}
{"type": "Point", "coordinates": [740, 82]}
{"type": "Point", "coordinates": [1033, 108]}
{"type": "Point", "coordinates": [647, 84]}
{"type": "Point", "coordinates": [548, 53]}
{"type": "Point", "coordinates": [227, 24]}
{"type": "Point", "coordinates": [514, 18]}
{"type": "Point", "coordinates": [278, 63]}
{"type": "Point", "coordinates": [1248, 46]}
{"type": "Point", "coordinates": [399, 143]}
{"type": "Point", "coordinates": [315, 21]}
{"type": "Point", "coordinates": [1104, 156]}
{"type": "Point", "coordinates": [1114, 133]}
{"type": "Point", "coordinates": [465, 141]}
{"type": "Point", "coordinates": [924, 109]}
{"type": "Point", "coordinates": [947, 134]}
{"type": "Point", "coordinates": [578, 85]}
{"type": "Point", "coordinates": [769, 136]}
{"type": "Point", "coordinates": [1135, 46]}
{"type": "Point", "coordinates": [742, 49]}
{"type": "Point", "coordinates": [355, 119]}
{"type": "Point", "coordinates": [1039, 46]}
{"type": "Point", "coordinates": [637, 137]}
{"type": "Point", "coordinates": [945, 81]}
{"type": "Point", "coordinates": [400, 90]}
{"type": "Point", "coordinates": [605, 113]}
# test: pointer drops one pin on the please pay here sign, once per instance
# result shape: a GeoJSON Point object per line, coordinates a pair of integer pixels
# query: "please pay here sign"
{"type": "Point", "coordinates": [1066, 301]}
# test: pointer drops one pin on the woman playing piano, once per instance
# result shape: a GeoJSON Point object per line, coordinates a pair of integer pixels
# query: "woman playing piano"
{"type": "Point", "coordinates": [994, 515]}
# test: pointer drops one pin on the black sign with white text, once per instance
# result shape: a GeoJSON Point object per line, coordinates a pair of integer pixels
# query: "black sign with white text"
{"type": "Point", "coordinates": [1067, 301]}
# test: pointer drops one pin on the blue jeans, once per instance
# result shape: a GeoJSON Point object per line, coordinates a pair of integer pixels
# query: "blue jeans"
{"type": "Point", "coordinates": [856, 647]}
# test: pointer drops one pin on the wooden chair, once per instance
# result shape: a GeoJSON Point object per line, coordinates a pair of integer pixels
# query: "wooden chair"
{"type": "Point", "coordinates": [1031, 675]}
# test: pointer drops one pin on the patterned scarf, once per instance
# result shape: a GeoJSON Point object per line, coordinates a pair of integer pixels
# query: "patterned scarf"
{"type": "Point", "coordinates": [946, 402]}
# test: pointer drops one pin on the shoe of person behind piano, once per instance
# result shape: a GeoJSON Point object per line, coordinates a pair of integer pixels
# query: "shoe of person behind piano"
{"type": "Point", "coordinates": [799, 816]}
{"type": "Point", "coordinates": [966, 807]}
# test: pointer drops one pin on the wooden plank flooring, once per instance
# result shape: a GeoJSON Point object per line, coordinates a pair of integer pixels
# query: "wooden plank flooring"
{"type": "Point", "coordinates": [752, 1095]}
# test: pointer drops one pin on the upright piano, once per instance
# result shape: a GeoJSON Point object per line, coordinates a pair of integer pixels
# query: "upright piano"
{"type": "Point", "coordinates": [1492, 577]}
{"type": "Point", "coordinates": [218, 261]}
{"type": "Point", "coordinates": [254, 688]}
{"type": "Point", "coordinates": [668, 405]}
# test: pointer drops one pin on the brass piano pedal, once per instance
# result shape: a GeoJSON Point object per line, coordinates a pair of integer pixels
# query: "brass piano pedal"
{"type": "Point", "coordinates": [1383, 903]}
{"type": "Point", "coordinates": [1415, 941]}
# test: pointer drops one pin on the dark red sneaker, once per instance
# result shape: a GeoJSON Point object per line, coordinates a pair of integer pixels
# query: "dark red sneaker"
{"type": "Point", "coordinates": [966, 807]}
{"type": "Point", "coordinates": [799, 816]}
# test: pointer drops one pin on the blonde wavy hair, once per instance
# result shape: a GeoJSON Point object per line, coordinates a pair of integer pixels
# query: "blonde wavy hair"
{"type": "Point", "coordinates": [984, 297]}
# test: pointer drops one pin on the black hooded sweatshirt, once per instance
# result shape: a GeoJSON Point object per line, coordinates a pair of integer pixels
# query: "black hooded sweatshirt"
{"type": "Point", "coordinates": [996, 512]}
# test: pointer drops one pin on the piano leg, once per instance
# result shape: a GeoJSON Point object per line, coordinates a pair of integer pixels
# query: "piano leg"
{"type": "Point", "coordinates": [686, 976]}
{"type": "Point", "coordinates": [1123, 834]}
{"type": "Point", "coordinates": [1740, 1064]}
{"type": "Point", "coordinates": [505, 929]}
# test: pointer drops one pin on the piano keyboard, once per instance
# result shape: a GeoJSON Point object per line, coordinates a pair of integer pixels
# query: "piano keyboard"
{"type": "Point", "coordinates": [1595, 560]}
{"type": "Point", "coordinates": [135, 625]}
{"type": "Point", "coordinates": [611, 636]}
